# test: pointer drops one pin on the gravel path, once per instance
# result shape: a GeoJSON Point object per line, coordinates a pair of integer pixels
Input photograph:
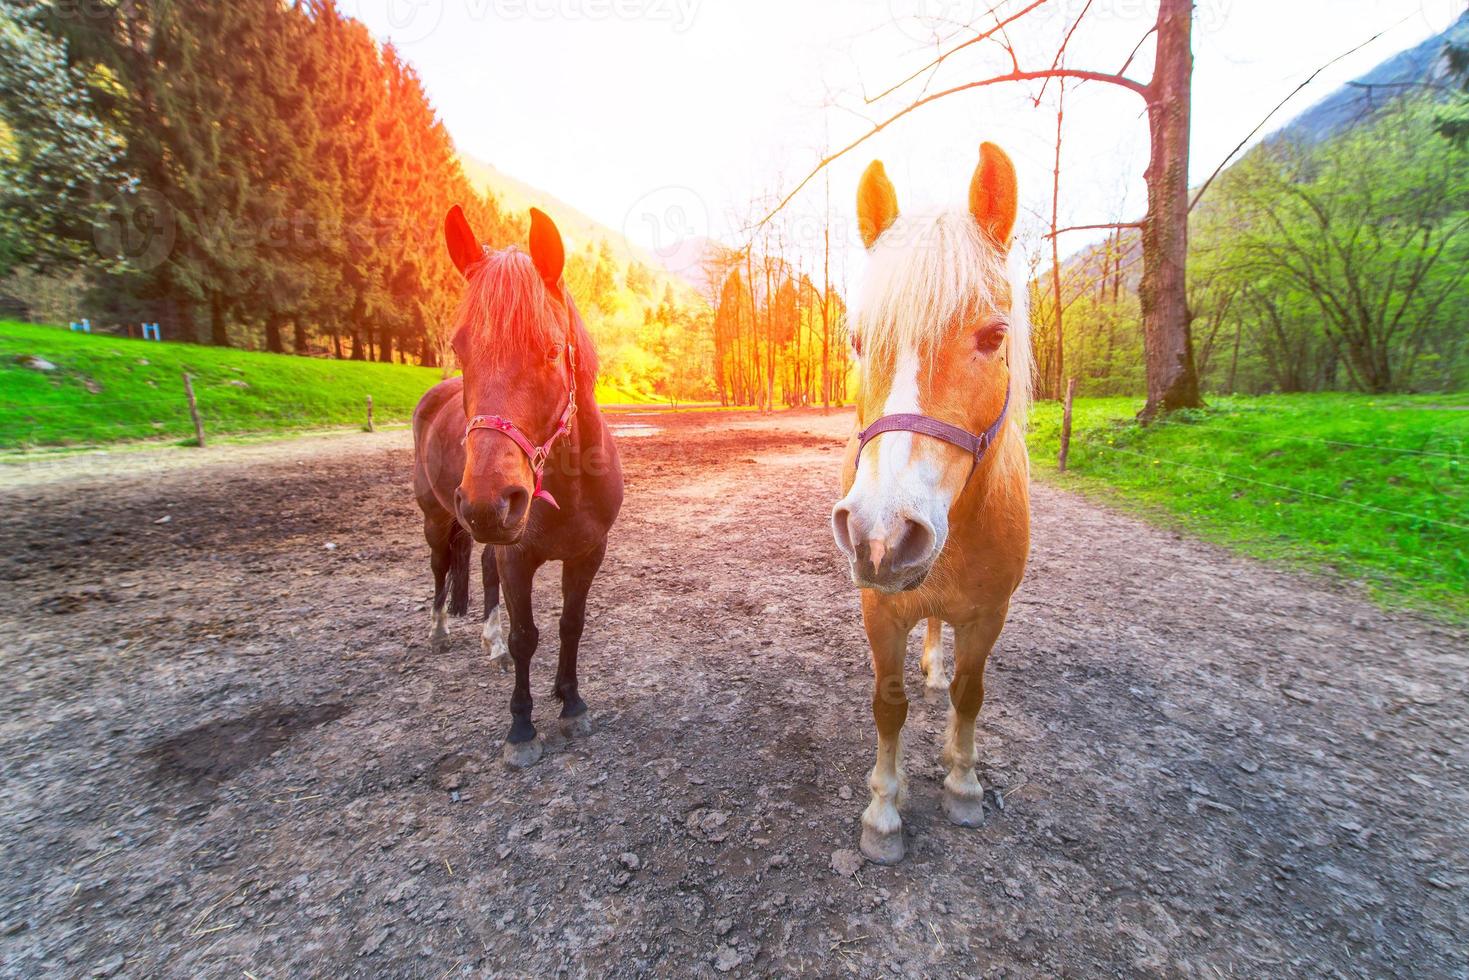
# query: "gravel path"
{"type": "Point", "coordinates": [228, 751]}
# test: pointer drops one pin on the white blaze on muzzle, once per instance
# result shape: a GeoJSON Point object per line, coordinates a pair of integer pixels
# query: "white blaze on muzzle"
{"type": "Point", "coordinates": [898, 480]}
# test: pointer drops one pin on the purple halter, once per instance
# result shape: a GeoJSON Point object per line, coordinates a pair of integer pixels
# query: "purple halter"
{"type": "Point", "coordinates": [975, 445]}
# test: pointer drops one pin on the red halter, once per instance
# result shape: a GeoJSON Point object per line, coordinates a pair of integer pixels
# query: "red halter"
{"type": "Point", "coordinates": [537, 454]}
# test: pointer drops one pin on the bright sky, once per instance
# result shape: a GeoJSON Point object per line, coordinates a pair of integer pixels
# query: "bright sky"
{"type": "Point", "coordinates": [666, 117]}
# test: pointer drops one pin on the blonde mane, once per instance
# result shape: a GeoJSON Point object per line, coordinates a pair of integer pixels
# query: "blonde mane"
{"type": "Point", "coordinates": [930, 270]}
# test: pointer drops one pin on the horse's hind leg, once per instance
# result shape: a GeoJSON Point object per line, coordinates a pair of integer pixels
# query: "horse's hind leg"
{"type": "Point", "coordinates": [882, 826]}
{"type": "Point", "coordinates": [963, 794]}
{"type": "Point", "coordinates": [934, 678]}
{"type": "Point", "coordinates": [440, 537]}
{"type": "Point", "coordinates": [576, 582]}
{"type": "Point", "coordinates": [492, 637]}
{"type": "Point", "coordinates": [517, 573]}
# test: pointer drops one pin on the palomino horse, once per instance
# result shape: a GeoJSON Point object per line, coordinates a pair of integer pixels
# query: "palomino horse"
{"type": "Point", "coordinates": [936, 516]}
{"type": "Point", "coordinates": [515, 455]}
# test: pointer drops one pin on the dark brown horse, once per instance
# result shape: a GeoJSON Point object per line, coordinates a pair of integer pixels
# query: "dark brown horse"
{"type": "Point", "coordinates": [515, 455]}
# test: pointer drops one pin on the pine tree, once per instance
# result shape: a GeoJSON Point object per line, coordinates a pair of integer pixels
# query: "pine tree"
{"type": "Point", "coordinates": [61, 163]}
{"type": "Point", "coordinates": [349, 101]}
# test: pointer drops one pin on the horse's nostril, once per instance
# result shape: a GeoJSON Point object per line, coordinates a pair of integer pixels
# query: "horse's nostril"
{"type": "Point", "coordinates": [914, 545]}
{"type": "Point", "coordinates": [514, 502]}
{"type": "Point", "coordinates": [841, 530]}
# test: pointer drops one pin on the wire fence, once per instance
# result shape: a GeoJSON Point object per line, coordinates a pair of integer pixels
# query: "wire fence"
{"type": "Point", "coordinates": [1337, 443]}
{"type": "Point", "coordinates": [1223, 475]}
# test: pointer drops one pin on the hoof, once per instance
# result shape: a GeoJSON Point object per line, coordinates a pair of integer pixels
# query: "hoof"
{"type": "Point", "coordinates": [882, 848]}
{"type": "Point", "coordinates": [966, 811]}
{"type": "Point", "coordinates": [579, 727]}
{"type": "Point", "coordinates": [492, 641]}
{"type": "Point", "coordinates": [523, 755]}
{"type": "Point", "coordinates": [496, 653]}
{"type": "Point", "coordinates": [936, 688]}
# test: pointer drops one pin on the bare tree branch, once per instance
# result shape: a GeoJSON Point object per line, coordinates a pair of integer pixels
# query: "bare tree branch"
{"type": "Point", "coordinates": [1061, 51]}
{"type": "Point", "coordinates": [1109, 226]}
{"type": "Point", "coordinates": [1020, 76]}
{"type": "Point", "coordinates": [945, 55]}
{"type": "Point", "coordinates": [1136, 48]}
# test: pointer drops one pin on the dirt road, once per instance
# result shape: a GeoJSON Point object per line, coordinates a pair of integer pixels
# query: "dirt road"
{"type": "Point", "coordinates": [228, 750]}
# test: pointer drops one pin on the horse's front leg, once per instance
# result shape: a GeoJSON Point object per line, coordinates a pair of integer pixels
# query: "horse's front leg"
{"type": "Point", "coordinates": [576, 582]}
{"type": "Point", "coordinates": [517, 572]}
{"type": "Point", "coordinates": [882, 826]}
{"type": "Point", "coordinates": [963, 794]}
{"type": "Point", "coordinates": [492, 637]}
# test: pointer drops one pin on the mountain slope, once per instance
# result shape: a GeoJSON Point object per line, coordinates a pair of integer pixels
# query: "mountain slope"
{"type": "Point", "coordinates": [1351, 104]}
{"type": "Point", "coordinates": [577, 228]}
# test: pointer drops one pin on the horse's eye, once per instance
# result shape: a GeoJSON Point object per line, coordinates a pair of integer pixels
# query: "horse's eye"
{"type": "Point", "coordinates": [857, 345]}
{"type": "Point", "coordinates": [554, 353]}
{"type": "Point", "coordinates": [989, 339]}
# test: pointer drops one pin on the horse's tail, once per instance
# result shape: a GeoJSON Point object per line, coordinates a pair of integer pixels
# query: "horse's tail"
{"type": "Point", "coordinates": [461, 546]}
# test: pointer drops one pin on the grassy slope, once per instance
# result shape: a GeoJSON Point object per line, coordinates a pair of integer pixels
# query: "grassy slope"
{"type": "Point", "coordinates": [110, 389]}
{"type": "Point", "coordinates": [1376, 488]}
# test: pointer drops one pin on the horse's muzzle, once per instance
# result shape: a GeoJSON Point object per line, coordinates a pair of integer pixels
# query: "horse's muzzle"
{"type": "Point", "coordinates": [495, 518]}
{"type": "Point", "coordinates": [895, 559]}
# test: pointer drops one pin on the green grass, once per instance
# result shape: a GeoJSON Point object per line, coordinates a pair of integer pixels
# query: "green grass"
{"type": "Point", "coordinates": [1375, 489]}
{"type": "Point", "coordinates": [111, 389]}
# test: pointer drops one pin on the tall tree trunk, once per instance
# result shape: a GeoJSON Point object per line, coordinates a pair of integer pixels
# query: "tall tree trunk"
{"type": "Point", "coordinates": [1234, 360]}
{"type": "Point", "coordinates": [359, 313]}
{"type": "Point", "coordinates": [219, 334]}
{"type": "Point", "coordinates": [273, 334]}
{"type": "Point", "coordinates": [188, 330]}
{"type": "Point", "coordinates": [751, 377]}
{"type": "Point", "coordinates": [426, 354]}
{"type": "Point", "coordinates": [1117, 269]}
{"type": "Point", "coordinates": [1172, 380]}
{"type": "Point", "coordinates": [385, 349]}
{"type": "Point", "coordinates": [1058, 384]}
{"type": "Point", "coordinates": [301, 344]}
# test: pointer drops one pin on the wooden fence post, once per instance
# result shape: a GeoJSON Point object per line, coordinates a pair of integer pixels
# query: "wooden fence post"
{"type": "Point", "coordinates": [194, 410]}
{"type": "Point", "coordinates": [1066, 425]}
{"type": "Point", "coordinates": [370, 426]}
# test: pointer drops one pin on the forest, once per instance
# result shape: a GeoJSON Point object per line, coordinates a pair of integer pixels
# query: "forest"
{"type": "Point", "coordinates": [288, 198]}
{"type": "Point", "coordinates": [1338, 264]}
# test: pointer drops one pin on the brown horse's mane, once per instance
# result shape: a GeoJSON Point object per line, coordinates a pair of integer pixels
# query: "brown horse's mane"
{"type": "Point", "coordinates": [506, 307]}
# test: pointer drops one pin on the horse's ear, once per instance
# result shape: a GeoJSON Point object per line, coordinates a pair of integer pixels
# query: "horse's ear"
{"type": "Point", "coordinates": [877, 203]}
{"type": "Point", "coordinates": [464, 248]}
{"type": "Point", "coordinates": [546, 249]}
{"type": "Point", "coordinates": [994, 195]}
